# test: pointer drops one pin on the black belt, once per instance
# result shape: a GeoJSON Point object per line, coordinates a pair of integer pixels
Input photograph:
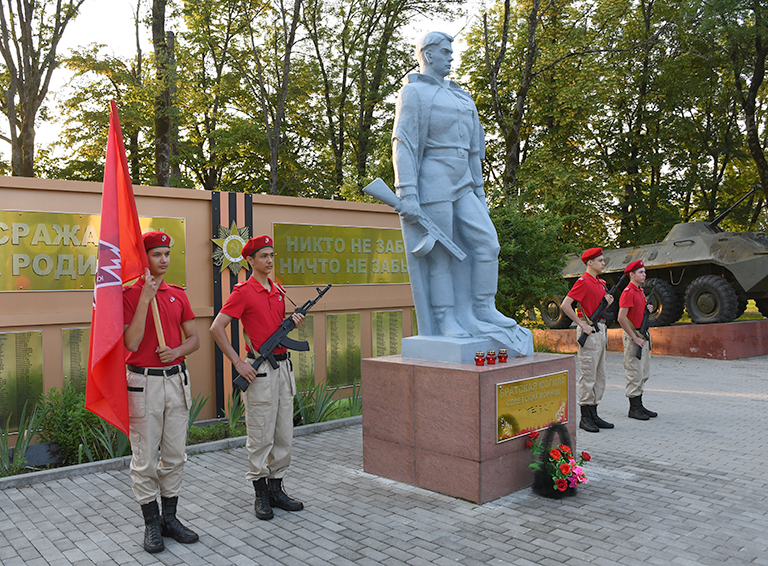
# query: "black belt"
{"type": "Point", "coordinates": [278, 357]}
{"type": "Point", "coordinates": [170, 370]}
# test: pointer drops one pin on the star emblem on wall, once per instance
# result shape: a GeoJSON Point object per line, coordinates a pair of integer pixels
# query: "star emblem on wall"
{"type": "Point", "coordinates": [230, 242]}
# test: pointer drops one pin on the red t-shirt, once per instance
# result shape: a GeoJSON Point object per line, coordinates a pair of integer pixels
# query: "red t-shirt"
{"type": "Point", "coordinates": [588, 291]}
{"type": "Point", "coordinates": [633, 298]}
{"type": "Point", "coordinates": [174, 309]}
{"type": "Point", "coordinates": [260, 311]}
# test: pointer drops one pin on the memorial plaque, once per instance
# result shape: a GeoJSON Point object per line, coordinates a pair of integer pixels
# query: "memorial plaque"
{"type": "Point", "coordinates": [387, 333]}
{"type": "Point", "coordinates": [21, 374]}
{"type": "Point", "coordinates": [342, 333]}
{"type": "Point", "coordinates": [318, 255]}
{"type": "Point", "coordinates": [304, 362]}
{"type": "Point", "coordinates": [75, 356]}
{"type": "Point", "coordinates": [56, 251]}
{"type": "Point", "coordinates": [531, 404]}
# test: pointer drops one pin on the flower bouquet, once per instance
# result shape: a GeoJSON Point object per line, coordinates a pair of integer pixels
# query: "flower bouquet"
{"type": "Point", "coordinates": [557, 471]}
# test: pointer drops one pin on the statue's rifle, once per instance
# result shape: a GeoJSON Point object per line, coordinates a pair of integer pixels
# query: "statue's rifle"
{"type": "Point", "coordinates": [378, 189]}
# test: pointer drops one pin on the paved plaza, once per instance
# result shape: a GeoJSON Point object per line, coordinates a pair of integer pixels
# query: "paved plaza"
{"type": "Point", "coordinates": [686, 488]}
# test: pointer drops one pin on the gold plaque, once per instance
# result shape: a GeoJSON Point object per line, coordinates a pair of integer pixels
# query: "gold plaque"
{"type": "Point", "coordinates": [315, 255]}
{"type": "Point", "coordinates": [74, 342]}
{"type": "Point", "coordinates": [56, 251]}
{"type": "Point", "coordinates": [387, 333]}
{"type": "Point", "coordinates": [531, 404]}
{"type": "Point", "coordinates": [342, 336]}
{"type": "Point", "coordinates": [304, 362]}
{"type": "Point", "coordinates": [21, 374]}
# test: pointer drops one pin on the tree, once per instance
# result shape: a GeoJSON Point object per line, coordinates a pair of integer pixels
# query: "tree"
{"type": "Point", "coordinates": [361, 57]}
{"type": "Point", "coordinates": [30, 31]}
{"type": "Point", "coordinates": [742, 26]}
{"type": "Point", "coordinates": [281, 41]}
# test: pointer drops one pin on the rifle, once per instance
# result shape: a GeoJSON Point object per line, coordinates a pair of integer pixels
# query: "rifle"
{"type": "Point", "coordinates": [600, 311]}
{"type": "Point", "coordinates": [280, 338]}
{"type": "Point", "coordinates": [378, 189]}
{"type": "Point", "coordinates": [644, 327]}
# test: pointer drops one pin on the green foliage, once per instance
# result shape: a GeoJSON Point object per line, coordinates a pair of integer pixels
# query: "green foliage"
{"type": "Point", "coordinates": [194, 411]}
{"type": "Point", "coordinates": [531, 259]}
{"type": "Point", "coordinates": [108, 442]}
{"type": "Point", "coordinates": [66, 419]}
{"type": "Point", "coordinates": [28, 427]}
{"type": "Point", "coordinates": [315, 405]}
{"type": "Point", "coordinates": [235, 409]}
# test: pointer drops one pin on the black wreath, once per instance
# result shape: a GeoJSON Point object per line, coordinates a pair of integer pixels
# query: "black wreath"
{"type": "Point", "coordinates": [542, 480]}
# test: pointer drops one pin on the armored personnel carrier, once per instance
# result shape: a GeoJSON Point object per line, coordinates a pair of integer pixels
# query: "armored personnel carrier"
{"type": "Point", "coordinates": [697, 267]}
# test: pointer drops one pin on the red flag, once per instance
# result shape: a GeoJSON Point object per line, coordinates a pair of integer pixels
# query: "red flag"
{"type": "Point", "coordinates": [121, 258]}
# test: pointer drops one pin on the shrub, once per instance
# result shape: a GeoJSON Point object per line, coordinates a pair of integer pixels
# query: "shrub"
{"type": "Point", "coordinates": [66, 420]}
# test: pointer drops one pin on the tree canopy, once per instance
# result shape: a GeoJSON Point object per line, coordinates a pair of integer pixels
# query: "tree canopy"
{"type": "Point", "coordinates": [608, 120]}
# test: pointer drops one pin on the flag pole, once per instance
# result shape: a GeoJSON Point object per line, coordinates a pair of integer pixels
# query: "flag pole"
{"type": "Point", "coordinates": [158, 324]}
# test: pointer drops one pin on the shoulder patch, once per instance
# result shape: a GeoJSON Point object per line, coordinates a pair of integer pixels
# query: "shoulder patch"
{"type": "Point", "coordinates": [281, 288]}
{"type": "Point", "coordinates": [240, 284]}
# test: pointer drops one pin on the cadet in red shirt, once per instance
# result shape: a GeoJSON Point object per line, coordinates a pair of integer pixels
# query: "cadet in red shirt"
{"type": "Point", "coordinates": [158, 393]}
{"type": "Point", "coordinates": [259, 304]}
{"type": "Point", "coordinates": [588, 291]}
{"type": "Point", "coordinates": [632, 306]}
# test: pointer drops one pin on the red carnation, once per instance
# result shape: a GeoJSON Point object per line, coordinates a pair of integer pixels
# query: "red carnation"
{"type": "Point", "coordinates": [586, 456]}
{"type": "Point", "coordinates": [565, 469]}
{"type": "Point", "coordinates": [564, 448]}
{"type": "Point", "coordinates": [528, 443]}
{"type": "Point", "coordinates": [534, 435]}
{"type": "Point", "coordinates": [555, 454]}
{"type": "Point", "coordinates": [562, 485]}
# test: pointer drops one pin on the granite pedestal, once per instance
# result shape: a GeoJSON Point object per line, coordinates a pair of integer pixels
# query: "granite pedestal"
{"type": "Point", "coordinates": [433, 424]}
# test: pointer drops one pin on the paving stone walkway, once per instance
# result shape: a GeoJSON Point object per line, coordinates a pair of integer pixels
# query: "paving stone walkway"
{"type": "Point", "coordinates": [687, 488]}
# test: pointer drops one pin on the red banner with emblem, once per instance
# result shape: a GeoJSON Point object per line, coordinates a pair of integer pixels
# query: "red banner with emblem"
{"type": "Point", "coordinates": [121, 258]}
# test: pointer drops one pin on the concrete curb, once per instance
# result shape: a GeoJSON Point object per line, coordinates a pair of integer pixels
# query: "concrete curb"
{"type": "Point", "coordinates": [43, 476]}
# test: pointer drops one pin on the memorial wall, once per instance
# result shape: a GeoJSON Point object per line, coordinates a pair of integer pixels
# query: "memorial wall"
{"type": "Point", "coordinates": [48, 244]}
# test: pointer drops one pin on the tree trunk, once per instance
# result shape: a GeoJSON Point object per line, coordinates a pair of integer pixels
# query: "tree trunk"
{"type": "Point", "coordinates": [163, 97]}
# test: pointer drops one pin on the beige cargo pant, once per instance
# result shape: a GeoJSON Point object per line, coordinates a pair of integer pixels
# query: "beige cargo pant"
{"type": "Point", "coordinates": [158, 407]}
{"type": "Point", "coordinates": [269, 421]}
{"type": "Point", "coordinates": [638, 371]}
{"type": "Point", "coordinates": [591, 357]}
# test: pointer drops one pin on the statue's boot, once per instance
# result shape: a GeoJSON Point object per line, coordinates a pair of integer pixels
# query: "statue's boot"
{"type": "Point", "coordinates": [446, 324]}
{"type": "Point", "coordinates": [486, 276]}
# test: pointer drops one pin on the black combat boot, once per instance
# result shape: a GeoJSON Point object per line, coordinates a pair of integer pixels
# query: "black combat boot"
{"type": "Point", "coordinates": [636, 409]}
{"type": "Point", "coordinates": [586, 422]}
{"type": "Point", "coordinates": [153, 538]}
{"type": "Point", "coordinates": [648, 412]}
{"type": "Point", "coordinates": [172, 527]}
{"type": "Point", "coordinates": [279, 499]}
{"type": "Point", "coordinates": [598, 421]}
{"type": "Point", "coordinates": [262, 507]}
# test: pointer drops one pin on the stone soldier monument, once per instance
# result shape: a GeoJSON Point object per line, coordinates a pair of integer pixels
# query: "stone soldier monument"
{"type": "Point", "coordinates": [451, 244]}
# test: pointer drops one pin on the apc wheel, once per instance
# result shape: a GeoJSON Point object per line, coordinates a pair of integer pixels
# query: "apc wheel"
{"type": "Point", "coordinates": [762, 306]}
{"type": "Point", "coordinates": [667, 308]}
{"type": "Point", "coordinates": [552, 314]}
{"type": "Point", "coordinates": [710, 298]}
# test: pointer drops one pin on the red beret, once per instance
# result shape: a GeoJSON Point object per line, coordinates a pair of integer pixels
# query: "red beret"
{"type": "Point", "coordinates": [591, 253]}
{"type": "Point", "coordinates": [156, 240]}
{"type": "Point", "coordinates": [634, 266]}
{"type": "Point", "coordinates": [255, 244]}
